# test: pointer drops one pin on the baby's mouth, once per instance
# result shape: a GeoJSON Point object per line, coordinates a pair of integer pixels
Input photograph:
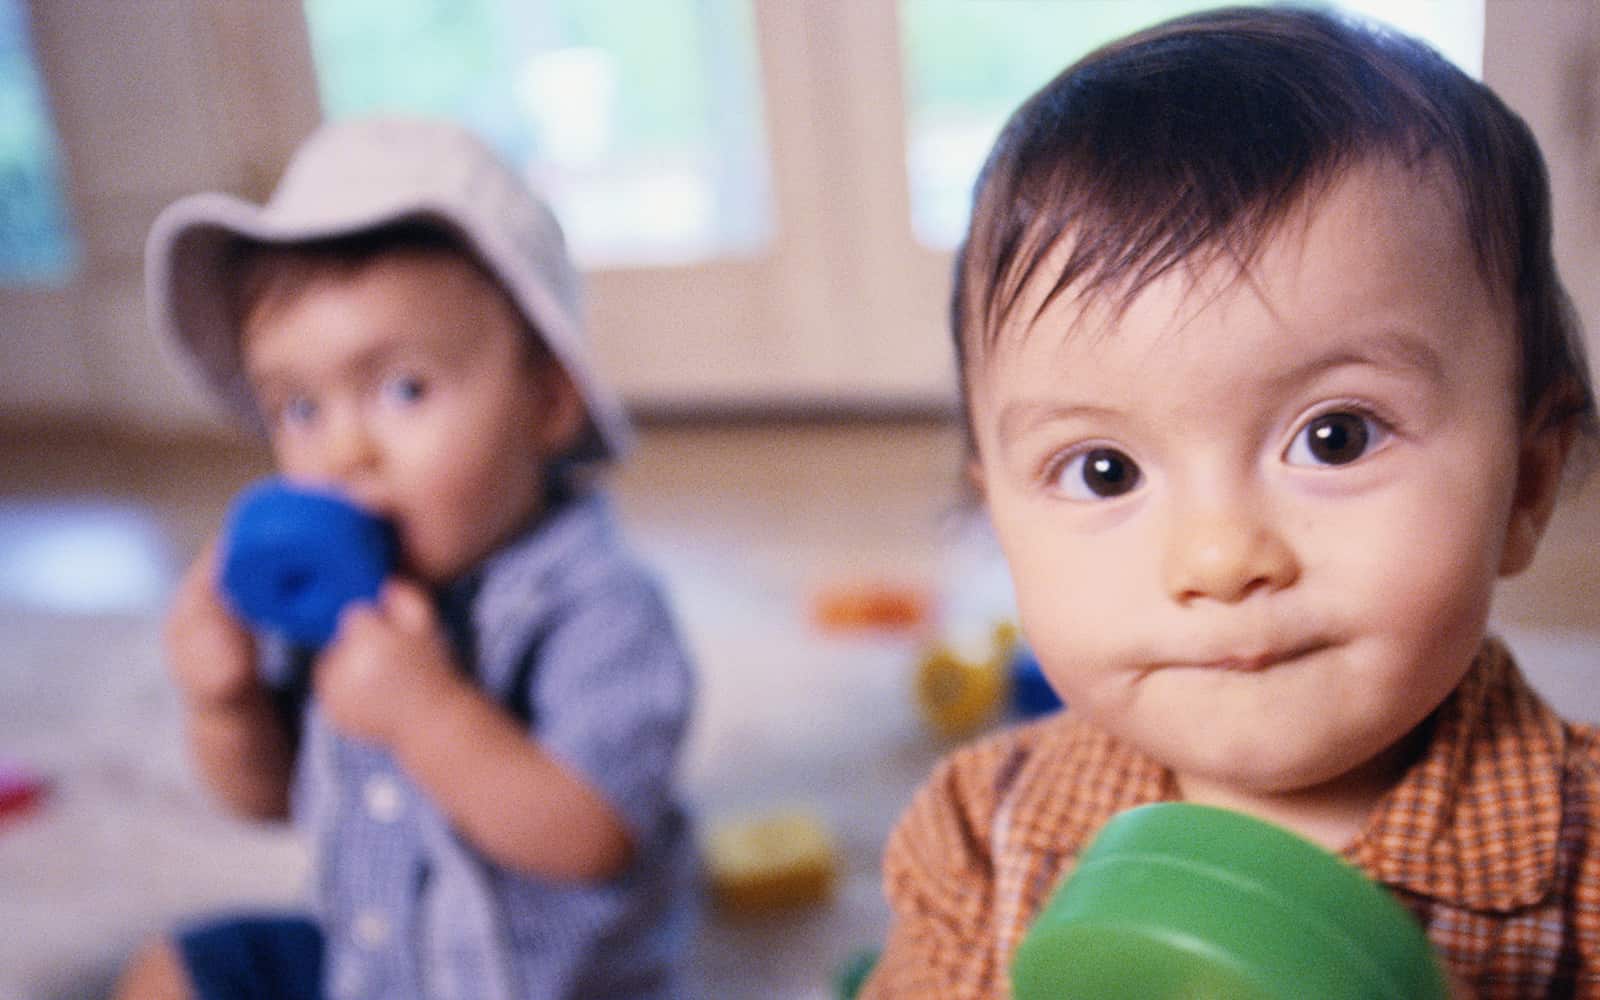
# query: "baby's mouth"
{"type": "Point", "coordinates": [1258, 661]}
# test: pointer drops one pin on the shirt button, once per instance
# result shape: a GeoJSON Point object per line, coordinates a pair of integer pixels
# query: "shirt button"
{"type": "Point", "coordinates": [384, 802]}
{"type": "Point", "coordinates": [372, 928]}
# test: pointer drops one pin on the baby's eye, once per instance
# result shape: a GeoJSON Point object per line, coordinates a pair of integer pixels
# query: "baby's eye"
{"type": "Point", "coordinates": [1096, 474]}
{"type": "Point", "coordinates": [404, 389]}
{"type": "Point", "coordinates": [297, 411]}
{"type": "Point", "coordinates": [1336, 438]}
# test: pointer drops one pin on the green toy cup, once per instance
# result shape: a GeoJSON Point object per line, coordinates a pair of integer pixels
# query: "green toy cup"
{"type": "Point", "coordinates": [1183, 902]}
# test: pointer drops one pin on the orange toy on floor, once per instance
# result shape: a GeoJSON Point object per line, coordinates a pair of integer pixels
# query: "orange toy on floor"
{"type": "Point", "coordinates": [21, 790]}
{"type": "Point", "coordinates": [851, 607]}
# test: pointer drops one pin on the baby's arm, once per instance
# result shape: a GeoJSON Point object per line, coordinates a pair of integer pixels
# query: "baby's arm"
{"type": "Point", "coordinates": [238, 740]}
{"type": "Point", "coordinates": [389, 678]}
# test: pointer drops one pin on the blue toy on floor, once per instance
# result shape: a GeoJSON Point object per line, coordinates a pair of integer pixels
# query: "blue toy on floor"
{"type": "Point", "coordinates": [1031, 693]}
{"type": "Point", "coordinates": [292, 558]}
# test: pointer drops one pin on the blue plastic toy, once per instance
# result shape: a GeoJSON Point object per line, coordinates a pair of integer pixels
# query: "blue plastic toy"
{"type": "Point", "coordinates": [1031, 693]}
{"type": "Point", "coordinates": [292, 559]}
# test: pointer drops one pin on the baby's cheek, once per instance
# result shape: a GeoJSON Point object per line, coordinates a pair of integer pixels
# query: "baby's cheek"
{"type": "Point", "coordinates": [1422, 606]}
{"type": "Point", "coordinates": [1074, 636]}
{"type": "Point", "coordinates": [1439, 577]}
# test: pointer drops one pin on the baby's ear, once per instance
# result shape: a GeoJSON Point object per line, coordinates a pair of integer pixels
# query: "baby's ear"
{"type": "Point", "coordinates": [973, 472]}
{"type": "Point", "coordinates": [561, 417]}
{"type": "Point", "coordinates": [1541, 462]}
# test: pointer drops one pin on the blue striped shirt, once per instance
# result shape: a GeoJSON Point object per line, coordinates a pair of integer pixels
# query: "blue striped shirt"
{"type": "Point", "coordinates": [567, 632]}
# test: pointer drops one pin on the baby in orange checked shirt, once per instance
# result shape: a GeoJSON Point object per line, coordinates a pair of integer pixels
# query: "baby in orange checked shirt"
{"type": "Point", "coordinates": [1269, 378]}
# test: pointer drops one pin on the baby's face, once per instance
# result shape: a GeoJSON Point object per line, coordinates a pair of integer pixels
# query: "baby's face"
{"type": "Point", "coordinates": [1254, 524]}
{"type": "Point", "coordinates": [406, 386]}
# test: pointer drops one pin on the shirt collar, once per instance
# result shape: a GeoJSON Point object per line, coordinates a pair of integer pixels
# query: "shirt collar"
{"type": "Point", "coordinates": [567, 521]}
{"type": "Point", "coordinates": [1475, 822]}
{"type": "Point", "coordinates": [497, 610]}
{"type": "Point", "coordinates": [1082, 777]}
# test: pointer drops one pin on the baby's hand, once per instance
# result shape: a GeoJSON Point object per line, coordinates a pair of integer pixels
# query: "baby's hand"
{"type": "Point", "coordinates": [210, 652]}
{"type": "Point", "coordinates": [387, 664]}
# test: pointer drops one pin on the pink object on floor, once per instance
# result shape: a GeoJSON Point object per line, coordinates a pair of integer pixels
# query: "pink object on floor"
{"type": "Point", "coordinates": [20, 790]}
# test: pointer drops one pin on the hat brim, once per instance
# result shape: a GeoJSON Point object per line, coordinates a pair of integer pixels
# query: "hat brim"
{"type": "Point", "coordinates": [189, 299]}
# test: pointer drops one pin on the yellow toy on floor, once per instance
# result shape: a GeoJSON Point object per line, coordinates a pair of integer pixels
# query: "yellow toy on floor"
{"type": "Point", "coordinates": [773, 861]}
{"type": "Point", "coordinates": [958, 695]}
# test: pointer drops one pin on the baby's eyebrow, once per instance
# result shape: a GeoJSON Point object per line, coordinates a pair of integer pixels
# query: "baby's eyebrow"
{"type": "Point", "coordinates": [362, 364]}
{"type": "Point", "coordinates": [1016, 417]}
{"type": "Point", "coordinates": [268, 383]}
{"type": "Point", "coordinates": [1391, 350]}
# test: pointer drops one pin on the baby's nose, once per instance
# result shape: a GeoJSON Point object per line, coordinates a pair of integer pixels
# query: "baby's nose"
{"type": "Point", "coordinates": [1226, 555]}
{"type": "Point", "coordinates": [347, 451]}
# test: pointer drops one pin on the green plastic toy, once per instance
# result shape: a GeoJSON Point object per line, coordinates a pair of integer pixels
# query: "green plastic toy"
{"type": "Point", "coordinates": [853, 972]}
{"type": "Point", "coordinates": [1183, 901]}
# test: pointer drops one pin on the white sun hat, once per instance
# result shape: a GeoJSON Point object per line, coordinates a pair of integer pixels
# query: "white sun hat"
{"type": "Point", "coordinates": [356, 176]}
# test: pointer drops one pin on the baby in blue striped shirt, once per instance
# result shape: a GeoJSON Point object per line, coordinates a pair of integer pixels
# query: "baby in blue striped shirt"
{"type": "Point", "coordinates": [482, 758]}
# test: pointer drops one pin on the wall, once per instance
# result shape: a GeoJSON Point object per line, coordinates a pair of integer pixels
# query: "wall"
{"type": "Point", "coordinates": [1544, 60]}
{"type": "Point", "coordinates": [152, 101]}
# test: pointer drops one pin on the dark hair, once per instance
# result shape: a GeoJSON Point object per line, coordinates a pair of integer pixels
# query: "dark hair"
{"type": "Point", "coordinates": [1190, 141]}
{"type": "Point", "coordinates": [261, 275]}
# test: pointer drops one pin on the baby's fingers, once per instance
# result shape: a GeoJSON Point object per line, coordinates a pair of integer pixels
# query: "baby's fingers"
{"type": "Point", "coordinates": [211, 654]}
{"type": "Point", "coordinates": [407, 607]}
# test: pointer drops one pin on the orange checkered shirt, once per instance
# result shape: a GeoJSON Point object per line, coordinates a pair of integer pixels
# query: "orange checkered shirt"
{"type": "Point", "coordinates": [1492, 839]}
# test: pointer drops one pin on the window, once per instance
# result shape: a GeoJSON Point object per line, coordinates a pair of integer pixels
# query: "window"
{"type": "Point", "coordinates": [640, 121]}
{"type": "Point", "coordinates": [763, 193]}
{"type": "Point", "coordinates": [37, 245]}
{"type": "Point", "coordinates": [969, 64]}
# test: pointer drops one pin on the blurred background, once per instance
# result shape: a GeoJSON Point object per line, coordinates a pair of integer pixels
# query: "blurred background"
{"type": "Point", "coordinates": [764, 195]}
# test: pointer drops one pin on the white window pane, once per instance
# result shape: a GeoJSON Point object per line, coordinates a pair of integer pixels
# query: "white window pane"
{"type": "Point", "coordinates": [640, 120]}
{"type": "Point", "coordinates": [970, 63]}
{"type": "Point", "coordinates": [1454, 27]}
{"type": "Point", "coordinates": [37, 244]}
